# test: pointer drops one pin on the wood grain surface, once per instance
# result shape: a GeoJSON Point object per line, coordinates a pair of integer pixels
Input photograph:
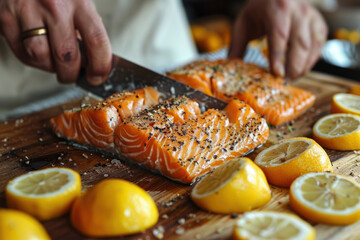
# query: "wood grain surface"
{"type": "Point", "coordinates": [27, 143]}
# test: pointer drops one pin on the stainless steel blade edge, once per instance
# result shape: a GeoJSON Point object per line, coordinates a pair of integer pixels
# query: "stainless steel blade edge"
{"type": "Point", "coordinates": [126, 75]}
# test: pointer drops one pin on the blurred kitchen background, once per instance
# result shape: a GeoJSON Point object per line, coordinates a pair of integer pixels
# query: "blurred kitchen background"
{"type": "Point", "coordinates": [211, 22]}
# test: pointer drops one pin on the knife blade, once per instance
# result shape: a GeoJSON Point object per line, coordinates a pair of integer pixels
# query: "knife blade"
{"type": "Point", "coordinates": [126, 75]}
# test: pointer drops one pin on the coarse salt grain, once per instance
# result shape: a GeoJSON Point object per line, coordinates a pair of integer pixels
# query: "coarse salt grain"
{"type": "Point", "coordinates": [180, 231]}
{"type": "Point", "coordinates": [181, 221]}
{"type": "Point", "coordinates": [159, 232]}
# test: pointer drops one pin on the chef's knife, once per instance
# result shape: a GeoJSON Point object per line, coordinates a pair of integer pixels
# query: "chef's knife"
{"type": "Point", "coordinates": [125, 75]}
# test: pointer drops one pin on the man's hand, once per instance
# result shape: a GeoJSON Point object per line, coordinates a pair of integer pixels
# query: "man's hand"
{"type": "Point", "coordinates": [58, 51]}
{"type": "Point", "coordinates": [294, 29]}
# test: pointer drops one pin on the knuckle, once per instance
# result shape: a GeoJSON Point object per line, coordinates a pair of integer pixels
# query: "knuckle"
{"type": "Point", "coordinates": [304, 43]}
{"type": "Point", "coordinates": [84, 3]}
{"type": "Point", "coordinates": [97, 39]}
{"type": "Point", "coordinates": [54, 6]}
{"type": "Point", "coordinates": [24, 9]}
{"type": "Point", "coordinates": [6, 18]}
{"type": "Point", "coordinates": [304, 9]}
{"type": "Point", "coordinates": [282, 4]}
{"type": "Point", "coordinates": [37, 48]}
{"type": "Point", "coordinates": [66, 53]}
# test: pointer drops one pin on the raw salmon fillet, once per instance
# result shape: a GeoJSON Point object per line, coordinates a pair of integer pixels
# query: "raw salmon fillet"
{"type": "Point", "coordinates": [175, 139]}
{"type": "Point", "coordinates": [265, 93]}
{"type": "Point", "coordinates": [95, 124]}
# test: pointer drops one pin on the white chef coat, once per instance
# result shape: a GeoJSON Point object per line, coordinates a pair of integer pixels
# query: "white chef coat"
{"type": "Point", "coordinates": [152, 33]}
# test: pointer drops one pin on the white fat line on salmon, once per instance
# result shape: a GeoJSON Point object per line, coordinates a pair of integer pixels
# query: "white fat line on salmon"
{"type": "Point", "coordinates": [66, 123]}
{"type": "Point", "coordinates": [87, 130]}
{"type": "Point", "coordinates": [166, 161]}
{"type": "Point", "coordinates": [81, 129]}
{"type": "Point", "coordinates": [76, 130]}
{"type": "Point", "coordinates": [95, 134]}
{"type": "Point", "coordinates": [128, 138]}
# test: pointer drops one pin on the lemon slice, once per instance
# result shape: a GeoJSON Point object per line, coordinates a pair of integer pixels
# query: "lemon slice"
{"type": "Point", "coordinates": [272, 225]}
{"type": "Point", "coordinates": [17, 225]}
{"type": "Point", "coordinates": [282, 163]}
{"type": "Point", "coordinates": [114, 207]}
{"type": "Point", "coordinates": [345, 103]}
{"type": "Point", "coordinates": [338, 131]}
{"type": "Point", "coordinates": [236, 186]}
{"type": "Point", "coordinates": [45, 194]}
{"type": "Point", "coordinates": [326, 198]}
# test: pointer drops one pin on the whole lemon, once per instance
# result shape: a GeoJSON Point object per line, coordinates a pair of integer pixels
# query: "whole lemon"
{"type": "Point", "coordinates": [114, 207]}
{"type": "Point", "coordinates": [17, 225]}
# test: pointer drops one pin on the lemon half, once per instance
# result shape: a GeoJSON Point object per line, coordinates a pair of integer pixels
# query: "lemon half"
{"type": "Point", "coordinates": [338, 131]}
{"type": "Point", "coordinates": [236, 186]}
{"type": "Point", "coordinates": [272, 225]}
{"type": "Point", "coordinates": [284, 162]}
{"type": "Point", "coordinates": [345, 103]}
{"type": "Point", "coordinates": [326, 198]}
{"type": "Point", "coordinates": [44, 194]}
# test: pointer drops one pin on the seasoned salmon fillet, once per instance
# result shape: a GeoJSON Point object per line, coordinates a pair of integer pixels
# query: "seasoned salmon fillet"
{"type": "Point", "coordinates": [95, 124]}
{"type": "Point", "coordinates": [175, 139]}
{"type": "Point", "coordinates": [228, 78]}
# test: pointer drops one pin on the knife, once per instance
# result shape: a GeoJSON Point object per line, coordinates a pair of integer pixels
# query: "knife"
{"type": "Point", "coordinates": [126, 75]}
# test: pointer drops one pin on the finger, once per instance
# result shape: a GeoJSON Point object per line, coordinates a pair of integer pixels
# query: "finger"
{"type": "Point", "coordinates": [240, 38]}
{"type": "Point", "coordinates": [278, 31]}
{"type": "Point", "coordinates": [36, 48]}
{"type": "Point", "coordinates": [96, 41]}
{"type": "Point", "coordinates": [318, 37]}
{"type": "Point", "coordinates": [299, 43]}
{"type": "Point", "coordinates": [11, 31]}
{"type": "Point", "coordinates": [64, 47]}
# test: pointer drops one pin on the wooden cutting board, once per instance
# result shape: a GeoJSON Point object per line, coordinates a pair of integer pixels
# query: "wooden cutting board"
{"type": "Point", "coordinates": [27, 143]}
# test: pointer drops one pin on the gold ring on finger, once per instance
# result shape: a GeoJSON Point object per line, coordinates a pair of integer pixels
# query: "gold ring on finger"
{"type": "Point", "coordinates": [34, 32]}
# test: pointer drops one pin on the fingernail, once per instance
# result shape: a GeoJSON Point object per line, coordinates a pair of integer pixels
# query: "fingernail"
{"type": "Point", "coordinates": [279, 69]}
{"type": "Point", "coordinates": [96, 80]}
